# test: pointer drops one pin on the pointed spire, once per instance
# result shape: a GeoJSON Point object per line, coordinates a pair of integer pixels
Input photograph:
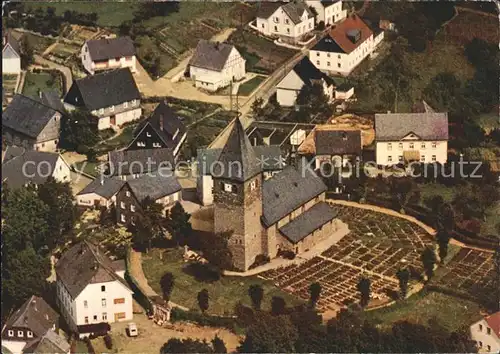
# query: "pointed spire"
{"type": "Point", "coordinates": [237, 161]}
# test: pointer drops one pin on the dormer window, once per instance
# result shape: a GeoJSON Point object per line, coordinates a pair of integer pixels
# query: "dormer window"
{"type": "Point", "coordinates": [29, 334]}
{"type": "Point", "coordinates": [20, 333]}
{"type": "Point", "coordinates": [276, 19]}
{"type": "Point", "coordinates": [133, 102]}
{"type": "Point", "coordinates": [125, 104]}
{"type": "Point", "coordinates": [101, 111]}
{"type": "Point", "coordinates": [412, 145]}
{"type": "Point", "coordinates": [10, 333]}
{"type": "Point", "coordinates": [132, 208]}
{"type": "Point", "coordinates": [112, 108]}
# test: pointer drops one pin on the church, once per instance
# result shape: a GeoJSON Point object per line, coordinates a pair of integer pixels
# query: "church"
{"type": "Point", "coordinates": [285, 211]}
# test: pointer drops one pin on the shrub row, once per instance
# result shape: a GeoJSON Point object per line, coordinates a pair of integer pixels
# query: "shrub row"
{"type": "Point", "coordinates": [203, 319]}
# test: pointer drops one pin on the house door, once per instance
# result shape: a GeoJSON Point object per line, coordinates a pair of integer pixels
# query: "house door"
{"type": "Point", "coordinates": [112, 120]}
{"type": "Point", "coordinates": [97, 202]}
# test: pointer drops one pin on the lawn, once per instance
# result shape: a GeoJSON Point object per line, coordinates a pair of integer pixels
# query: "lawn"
{"type": "Point", "coordinates": [249, 86]}
{"type": "Point", "coordinates": [224, 293]}
{"type": "Point", "coordinates": [38, 43]}
{"type": "Point", "coordinates": [88, 167]}
{"type": "Point", "coordinates": [40, 81]}
{"type": "Point", "coordinates": [429, 190]}
{"type": "Point", "coordinates": [119, 141]}
{"type": "Point", "coordinates": [428, 307]}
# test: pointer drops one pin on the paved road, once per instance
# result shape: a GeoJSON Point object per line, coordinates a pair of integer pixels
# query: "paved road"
{"type": "Point", "coordinates": [63, 69]}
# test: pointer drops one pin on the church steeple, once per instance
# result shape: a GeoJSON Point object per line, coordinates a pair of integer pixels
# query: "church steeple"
{"type": "Point", "coordinates": [237, 161]}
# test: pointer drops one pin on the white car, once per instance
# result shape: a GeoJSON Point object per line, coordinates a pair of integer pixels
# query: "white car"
{"type": "Point", "coordinates": [132, 330]}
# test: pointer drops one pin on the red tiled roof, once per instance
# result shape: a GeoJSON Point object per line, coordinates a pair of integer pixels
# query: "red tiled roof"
{"type": "Point", "coordinates": [494, 323]}
{"type": "Point", "coordinates": [339, 33]}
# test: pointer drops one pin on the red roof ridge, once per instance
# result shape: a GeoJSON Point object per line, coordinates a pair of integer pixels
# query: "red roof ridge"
{"type": "Point", "coordinates": [339, 32]}
{"type": "Point", "coordinates": [493, 321]}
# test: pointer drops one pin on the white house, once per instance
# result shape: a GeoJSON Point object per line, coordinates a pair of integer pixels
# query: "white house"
{"type": "Point", "coordinates": [290, 21]}
{"type": "Point", "coordinates": [303, 74]}
{"type": "Point", "coordinates": [328, 12]}
{"type": "Point", "coordinates": [90, 290]}
{"type": "Point", "coordinates": [215, 65]}
{"type": "Point", "coordinates": [111, 96]}
{"type": "Point", "coordinates": [21, 167]}
{"type": "Point", "coordinates": [486, 334]}
{"type": "Point", "coordinates": [11, 55]}
{"type": "Point", "coordinates": [406, 137]}
{"type": "Point", "coordinates": [108, 53]}
{"type": "Point", "coordinates": [33, 326]}
{"type": "Point", "coordinates": [345, 46]}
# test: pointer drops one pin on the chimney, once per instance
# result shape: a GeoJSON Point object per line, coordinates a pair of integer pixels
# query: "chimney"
{"type": "Point", "coordinates": [161, 122]}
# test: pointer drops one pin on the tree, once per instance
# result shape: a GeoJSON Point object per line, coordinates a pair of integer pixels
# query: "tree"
{"type": "Point", "coordinates": [479, 52]}
{"type": "Point", "coordinates": [218, 345]}
{"type": "Point", "coordinates": [59, 199]}
{"type": "Point", "coordinates": [256, 293]}
{"type": "Point", "coordinates": [149, 226]}
{"type": "Point", "coordinates": [270, 334]}
{"type": "Point", "coordinates": [278, 306]}
{"type": "Point", "coordinates": [257, 109]}
{"type": "Point", "coordinates": [153, 9]}
{"type": "Point", "coordinates": [404, 190]}
{"type": "Point", "coordinates": [443, 239]}
{"type": "Point", "coordinates": [216, 250]}
{"type": "Point", "coordinates": [314, 292]}
{"type": "Point", "coordinates": [364, 289]}
{"type": "Point", "coordinates": [428, 260]}
{"type": "Point", "coordinates": [403, 277]}
{"type": "Point", "coordinates": [312, 100]}
{"type": "Point", "coordinates": [167, 285]}
{"type": "Point", "coordinates": [78, 131]}
{"type": "Point", "coordinates": [178, 224]}
{"type": "Point", "coordinates": [203, 299]}
{"type": "Point", "coordinates": [188, 345]}
{"type": "Point", "coordinates": [26, 52]}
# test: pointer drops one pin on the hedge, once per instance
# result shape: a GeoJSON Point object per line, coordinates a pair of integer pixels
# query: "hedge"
{"type": "Point", "coordinates": [203, 319]}
{"type": "Point", "coordinates": [139, 296]}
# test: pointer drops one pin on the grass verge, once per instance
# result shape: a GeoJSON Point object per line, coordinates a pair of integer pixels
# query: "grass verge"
{"type": "Point", "coordinates": [249, 86]}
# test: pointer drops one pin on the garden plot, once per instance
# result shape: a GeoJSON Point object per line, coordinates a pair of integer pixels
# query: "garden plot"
{"type": "Point", "coordinates": [80, 34]}
{"type": "Point", "coordinates": [377, 247]}
{"type": "Point", "coordinates": [64, 51]}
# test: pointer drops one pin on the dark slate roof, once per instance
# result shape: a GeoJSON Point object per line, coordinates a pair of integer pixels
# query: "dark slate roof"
{"type": "Point", "coordinates": [35, 314]}
{"type": "Point", "coordinates": [337, 142]}
{"type": "Point", "coordinates": [85, 264]}
{"type": "Point", "coordinates": [155, 187]}
{"type": "Point", "coordinates": [308, 73]}
{"type": "Point", "coordinates": [295, 9]}
{"type": "Point", "coordinates": [51, 99]}
{"type": "Point", "coordinates": [270, 157]}
{"type": "Point", "coordinates": [40, 166]}
{"type": "Point", "coordinates": [211, 55]}
{"type": "Point", "coordinates": [327, 44]}
{"type": "Point", "coordinates": [395, 126]}
{"type": "Point", "coordinates": [288, 190]}
{"type": "Point", "coordinates": [11, 152]}
{"type": "Point", "coordinates": [109, 48]}
{"type": "Point", "coordinates": [237, 158]}
{"type": "Point", "coordinates": [119, 265]}
{"type": "Point", "coordinates": [14, 43]}
{"type": "Point", "coordinates": [109, 88]}
{"type": "Point", "coordinates": [27, 116]}
{"type": "Point", "coordinates": [267, 8]}
{"type": "Point", "coordinates": [51, 342]}
{"type": "Point", "coordinates": [126, 162]}
{"type": "Point", "coordinates": [105, 187]}
{"type": "Point", "coordinates": [309, 221]}
{"type": "Point", "coordinates": [165, 122]}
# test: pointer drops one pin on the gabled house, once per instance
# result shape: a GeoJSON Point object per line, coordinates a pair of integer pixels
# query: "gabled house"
{"type": "Point", "coordinates": [108, 54]}
{"type": "Point", "coordinates": [31, 124]}
{"type": "Point", "coordinates": [90, 290]}
{"type": "Point", "coordinates": [215, 65]}
{"type": "Point", "coordinates": [345, 46]}
{"type": "Point", "coordinates": [486, 333]}
{"type": "Point", "coordinates": [289, 21]}
{"type": "Point", "coordinates": [407, 137]}
{"type": "Point", "coordinates": [21, 167]}
{"type": "Point", "coordinates": [302, 74]}
{"type": "Point", "coordinates": [100, 192]}
{"type": "Point", "coordinates": [51, 99]}
{"type": "Point", "coordinates": [130, 164]}
{"type": "Point", "coordinates": [163, 129]}
{"type": "Point", "coordinates": [111, 96]}
{"type": "Point", "coordinates": [32, 326]}
{"type": "Point", "coordinates": [328, 12]}
{"type": "Point", "coordinates": [11, 55]}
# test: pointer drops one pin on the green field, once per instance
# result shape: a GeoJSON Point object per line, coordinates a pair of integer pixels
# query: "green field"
{"type": "Point", "coordinates": [38, 43]}
{"type": "Point", "coordinates": [89, 168]}
{"type": "Point", "coordinates": [224, 293]}
{"type": "Point", "coordinates": [426, 308]}
{"type": "Point", "coordinates": [119, 141]}
{"type": "Point", "coordinates": [40, 81]}
{"type": "Point", "coordinates": [429, 190]}
{"type": "Point", "coordinates": [249, 86]}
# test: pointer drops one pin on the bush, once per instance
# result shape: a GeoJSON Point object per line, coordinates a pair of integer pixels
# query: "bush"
{"type": "Point", "coordinates": [287, 254]}
{"type": "Point", "coordinates": [260, 259]}
{"type": "Point", "coordinates": [203, 319]}
{"type": "Point", "coordinates": [108, 341]}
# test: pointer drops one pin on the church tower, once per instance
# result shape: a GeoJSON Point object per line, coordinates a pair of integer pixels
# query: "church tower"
{"type": "Point", "coordinates": [237, 191]}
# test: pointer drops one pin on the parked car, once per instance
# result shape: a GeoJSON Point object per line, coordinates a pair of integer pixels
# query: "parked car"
{"type": "Point", "coordinates": [132, 330]}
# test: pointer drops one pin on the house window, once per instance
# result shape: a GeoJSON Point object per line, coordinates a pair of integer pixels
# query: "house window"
{"type": "Point", "coordinates": [95, 317]}
{"type": "Point", "coordinates": [422, 146]}
{"type": "Point", "coordinates": [433, 158]}
{"type": "Point", "coordinates": [339, 65]}
{"type": "Point", "coordinates": [11, 333]}
{"type": "Point", "coordinates": [262, 25]}
{"type": "Point", "coordinates": [489, 348]}
{"type": "Point", "coordinates": [276, 19]}
{"type": "Point", "coordinates": [103, 302]}
{"type": "Point", "coordinates": [389, 146]}
{"type": "Point", "coordinates": [141, 143]}
{"type": "Point", "coordinates": [480, 328]}
{"type": "Point", "coordinates": [176, 197]}
{"type": "Point", "coordinates": [20, 333]}
{"type": "Point", "coordinates": [86, 319]}
{"type": "Point", "coordinates": [488, 330]}
{"type": "Point", "coordinates": [228, 187]}
{"type": "Point", "coordinates": [120, 315]}
{"type": "Point", "coordinates": [104, 316]}
{"type": "Point", "coordinates": [156, 145]}
{"type": "Point", "coordinates": [112, 108]}
{"type": "Point", "coordinates": [412, 146]}
{"type": "Point", "coordinates": [288, 30]}
{"type": "Point", "coordinates": [400, 145]}
{"type": "Point", "coordinates": [122, 218]}
{"type": "Point", "coordinates": [148, 134]}
{"type": "Point", "coordinates": [286, 21]}
{"type": "Point", "coordinates": [125, 104]}
{"type": "Point", "coordinates": [276, 28]}
{"type": "Point", "coordinates": [317, 62]}
{"type": "Point", "coordinates": [119, 301]}
{"type": "Point", "coordinates": [400, 158]}
{"type": "Point", "coordinates": [480, 344]}
{"type": "Point", "coordinates": [317, 54]}
{"type": "Point", "coordinates": [434, 145]}
{"type": "Point", "coordinates": [122, 205]}
{"type": "Point", "coordinates": [85, 304]}
{"type": "Point", "coordinates": [389, 158]}
{"type": "Point", "coordinates": [127, 193]}
{"type": "Point", "coordinates": [30, 334]}
{"type": "Point", "coordinates": [101, 111]}
{"type": "Point", "coordinates": [133, 102]}
{"type": "Point", "coordinates": [132, 208]}
{"type": "Point", "coordinates": [338, 56]}
{"type": "Point", "coordinates": [422, 158]}
{"type": "Point", "coordinates": [132, 220]}
{"type": "Point", "coordinates": [310, 26]}
{"type": "Point", "coordinates": [328, 55]}
{"type": "Point", "coordinates": [103, 288]}
{"type": "Point", "coordinates": [327, 63]}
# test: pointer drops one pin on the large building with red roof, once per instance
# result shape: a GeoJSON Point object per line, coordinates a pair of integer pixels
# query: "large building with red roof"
{"type": "Point", "coordinates": [345, 46]}
{"type": "Point", "coordinates": [486, 334]}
